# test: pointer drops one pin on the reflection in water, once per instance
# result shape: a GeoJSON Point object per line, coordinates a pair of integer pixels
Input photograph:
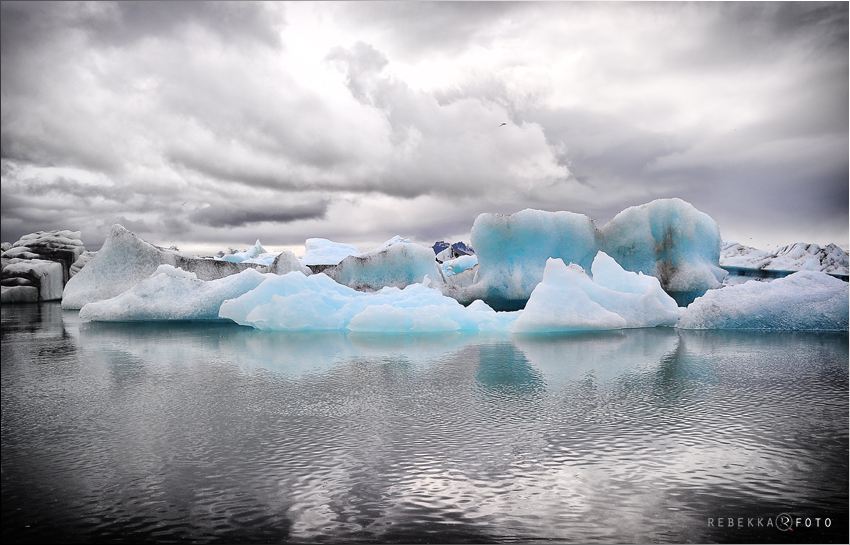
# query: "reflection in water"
{"type": "Point", "coordinates": [215, 432]}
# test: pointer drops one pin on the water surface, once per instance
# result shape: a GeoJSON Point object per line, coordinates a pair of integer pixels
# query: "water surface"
{"type": "Point", "coordinates": [219, 433]}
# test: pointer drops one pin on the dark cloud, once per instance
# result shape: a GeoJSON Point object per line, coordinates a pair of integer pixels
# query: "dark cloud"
{"type": "Point", "coordinates": [123, 111]}
{"type": "Point", "coordinates": [234, 216]}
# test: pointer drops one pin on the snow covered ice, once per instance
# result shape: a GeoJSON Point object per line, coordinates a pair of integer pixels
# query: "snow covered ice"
{"type": "Point", "coordinates": [321, 251]}
{"type": "Point", "coordinates": [793, 257]}
{"type": "Point", "coordinates": [805, 300]}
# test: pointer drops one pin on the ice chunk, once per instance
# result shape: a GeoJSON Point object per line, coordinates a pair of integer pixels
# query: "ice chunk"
{"type": "Point", "coordinates": [62, 246]}
{"type": "Point", "coordinates": [805, 300]}
{"type": "Point", "coordinates": [46, 276]}
{"type": "Point", "coordinates": [512, 252]}
{"type": "Point", "coordinates": [250, 254]}
{"type": "Point", "coordinates": [395, 240]}
{"type": "Point", "coordinates": [172, 294]}
{"type": "Point", "coordinates": [670, 240]}
{"type": "Point", "coordinates": [321, 251]}
{"type": "Point", "coordinates": [126, 260]}
{"type": "Point", "coordinates": [294, 302]}
{"type": "Point", "coordinates": [286, 262]}
{"type": "Point", "coordinates": [458, 265]}
{"type": "Point", "coordinates": [81, 261]}
{"type": "Point", "coordinates": [399, 265]}
{"type": "Point", "coordinates": [793, 257]}
{"type": "Point", "coordinates": [568, 300]}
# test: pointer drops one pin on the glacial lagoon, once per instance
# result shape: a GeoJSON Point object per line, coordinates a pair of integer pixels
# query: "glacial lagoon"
{"type": "Point", "coordinates": [214, 432]}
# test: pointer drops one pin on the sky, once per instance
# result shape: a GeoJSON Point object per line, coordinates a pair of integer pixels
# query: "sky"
{"type": "Point", "coordinates": [207, 126]}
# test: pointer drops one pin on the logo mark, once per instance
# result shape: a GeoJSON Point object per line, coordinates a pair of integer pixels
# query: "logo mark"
{"type": "Point", "coordinates": [784, 522]}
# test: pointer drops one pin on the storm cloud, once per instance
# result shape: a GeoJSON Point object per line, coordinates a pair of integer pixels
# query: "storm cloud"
{"type": "Point", "coordinates": [208, 125]}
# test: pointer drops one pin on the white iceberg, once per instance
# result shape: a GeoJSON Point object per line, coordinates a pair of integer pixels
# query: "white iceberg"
{"type": "Point", "coordinates": [256, 254]}
{"type": "Point", "coordinates": [399, 264]}
{"type": "Point", "coordinates": [792, 257]}
{"type": "Point", "coordinates": [125, 260]}
{"type": "Point", "coordinates": [805, 300]}
{"type": "Point", "coordinates": [670, 240]}
{"type": "Point", "coordinates": [569, 300]}
{"type": "Point", "coordinates": [321, 251]}
{"type": "Point", "coordinates": [172, 294]}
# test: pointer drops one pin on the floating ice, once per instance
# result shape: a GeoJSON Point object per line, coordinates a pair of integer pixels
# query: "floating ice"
{"type": "Point", "coordinates": [512, 253]}
{"type": "Point", "coordinates": [321, 251]}
{"type": "Point", "coordinates": [126, 260]}
{"type": "Point", "coordinates": [256, 254]}
{"type": "Point", "coordinates": [400, 264]}
{"type": "Point", "coordinates": [793, 257]}
{"type": "Point", "coordinates": [805, 300]}
{"type": "Point", "coordinates": [395, 240]}
{"type": "Point", "coordinates": [295, 302]}
{"type": "Point", "coordinates": [286, 262]}
{"type": "Point", "coordinates": [172, 294]}
{"type": "Point", "coordinates": [569, 300]}
{"type": "Point", "coordinates": [81, 261]}
{"type": "Point", "coordinates": [31, 280]}
{"type": "Point", "coordinates": [670, 240]}
{"type": "Point", "coordinates": [458, 265]}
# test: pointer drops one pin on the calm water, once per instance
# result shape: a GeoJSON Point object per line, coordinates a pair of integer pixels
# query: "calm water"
{"type": "Point", "coordinates": [218, 433]}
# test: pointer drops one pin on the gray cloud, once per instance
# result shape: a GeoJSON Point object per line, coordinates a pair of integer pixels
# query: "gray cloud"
{"type": "Point", "coordinates": [126, 110]}
{"type": "Point", "coordinates": [234, 216]}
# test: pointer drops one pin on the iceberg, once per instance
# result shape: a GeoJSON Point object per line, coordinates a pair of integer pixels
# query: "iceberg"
{"type": "Point", "coordinates": [286, 262]}
{"type": "Point", "coordinates": [295, 302]}
{"type": "Point", "coordinates": [324, 252]}
{"type": "Point", "coordinates": [793, 257]}
{"type": "Point", "coordinates": [512, 253]}
{"type": "Point", "coordinates": [458, 264]}
{"type": "Point", "coordinates": [36, 267]}
{"type": "Point", "coordinates": [62, 246]}
{"type": "Point", "coordinates": [670, 240]}
{"type": "Point", "coordinates": [805, 300]}
{"type": "Point", "coordinates": [31, 280]}
{"type": "Point", "coordinates": [81, 261]}
{"type": "Point", "coordinates": [172, 294]}
{"type": "Point", "coordinates": [125, 260]}
{"type": "Point", "coordinates": [400, 264]}
{"type": "Point", "coordinates": [569, 300]}
{"type": "Point", "coordinates": [256, 254]}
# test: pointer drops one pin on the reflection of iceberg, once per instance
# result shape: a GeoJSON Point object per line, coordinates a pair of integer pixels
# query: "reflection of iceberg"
{"type": "Point", "coordinates": [607, 355]}
{"type": "Point", "coordinates": [504, 370]}
{"type": "Point", "coordinates": [157, 344]}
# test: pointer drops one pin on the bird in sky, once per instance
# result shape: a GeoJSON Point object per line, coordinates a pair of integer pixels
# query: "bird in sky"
{"type": "Point", "coordinates": [503, 124]}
